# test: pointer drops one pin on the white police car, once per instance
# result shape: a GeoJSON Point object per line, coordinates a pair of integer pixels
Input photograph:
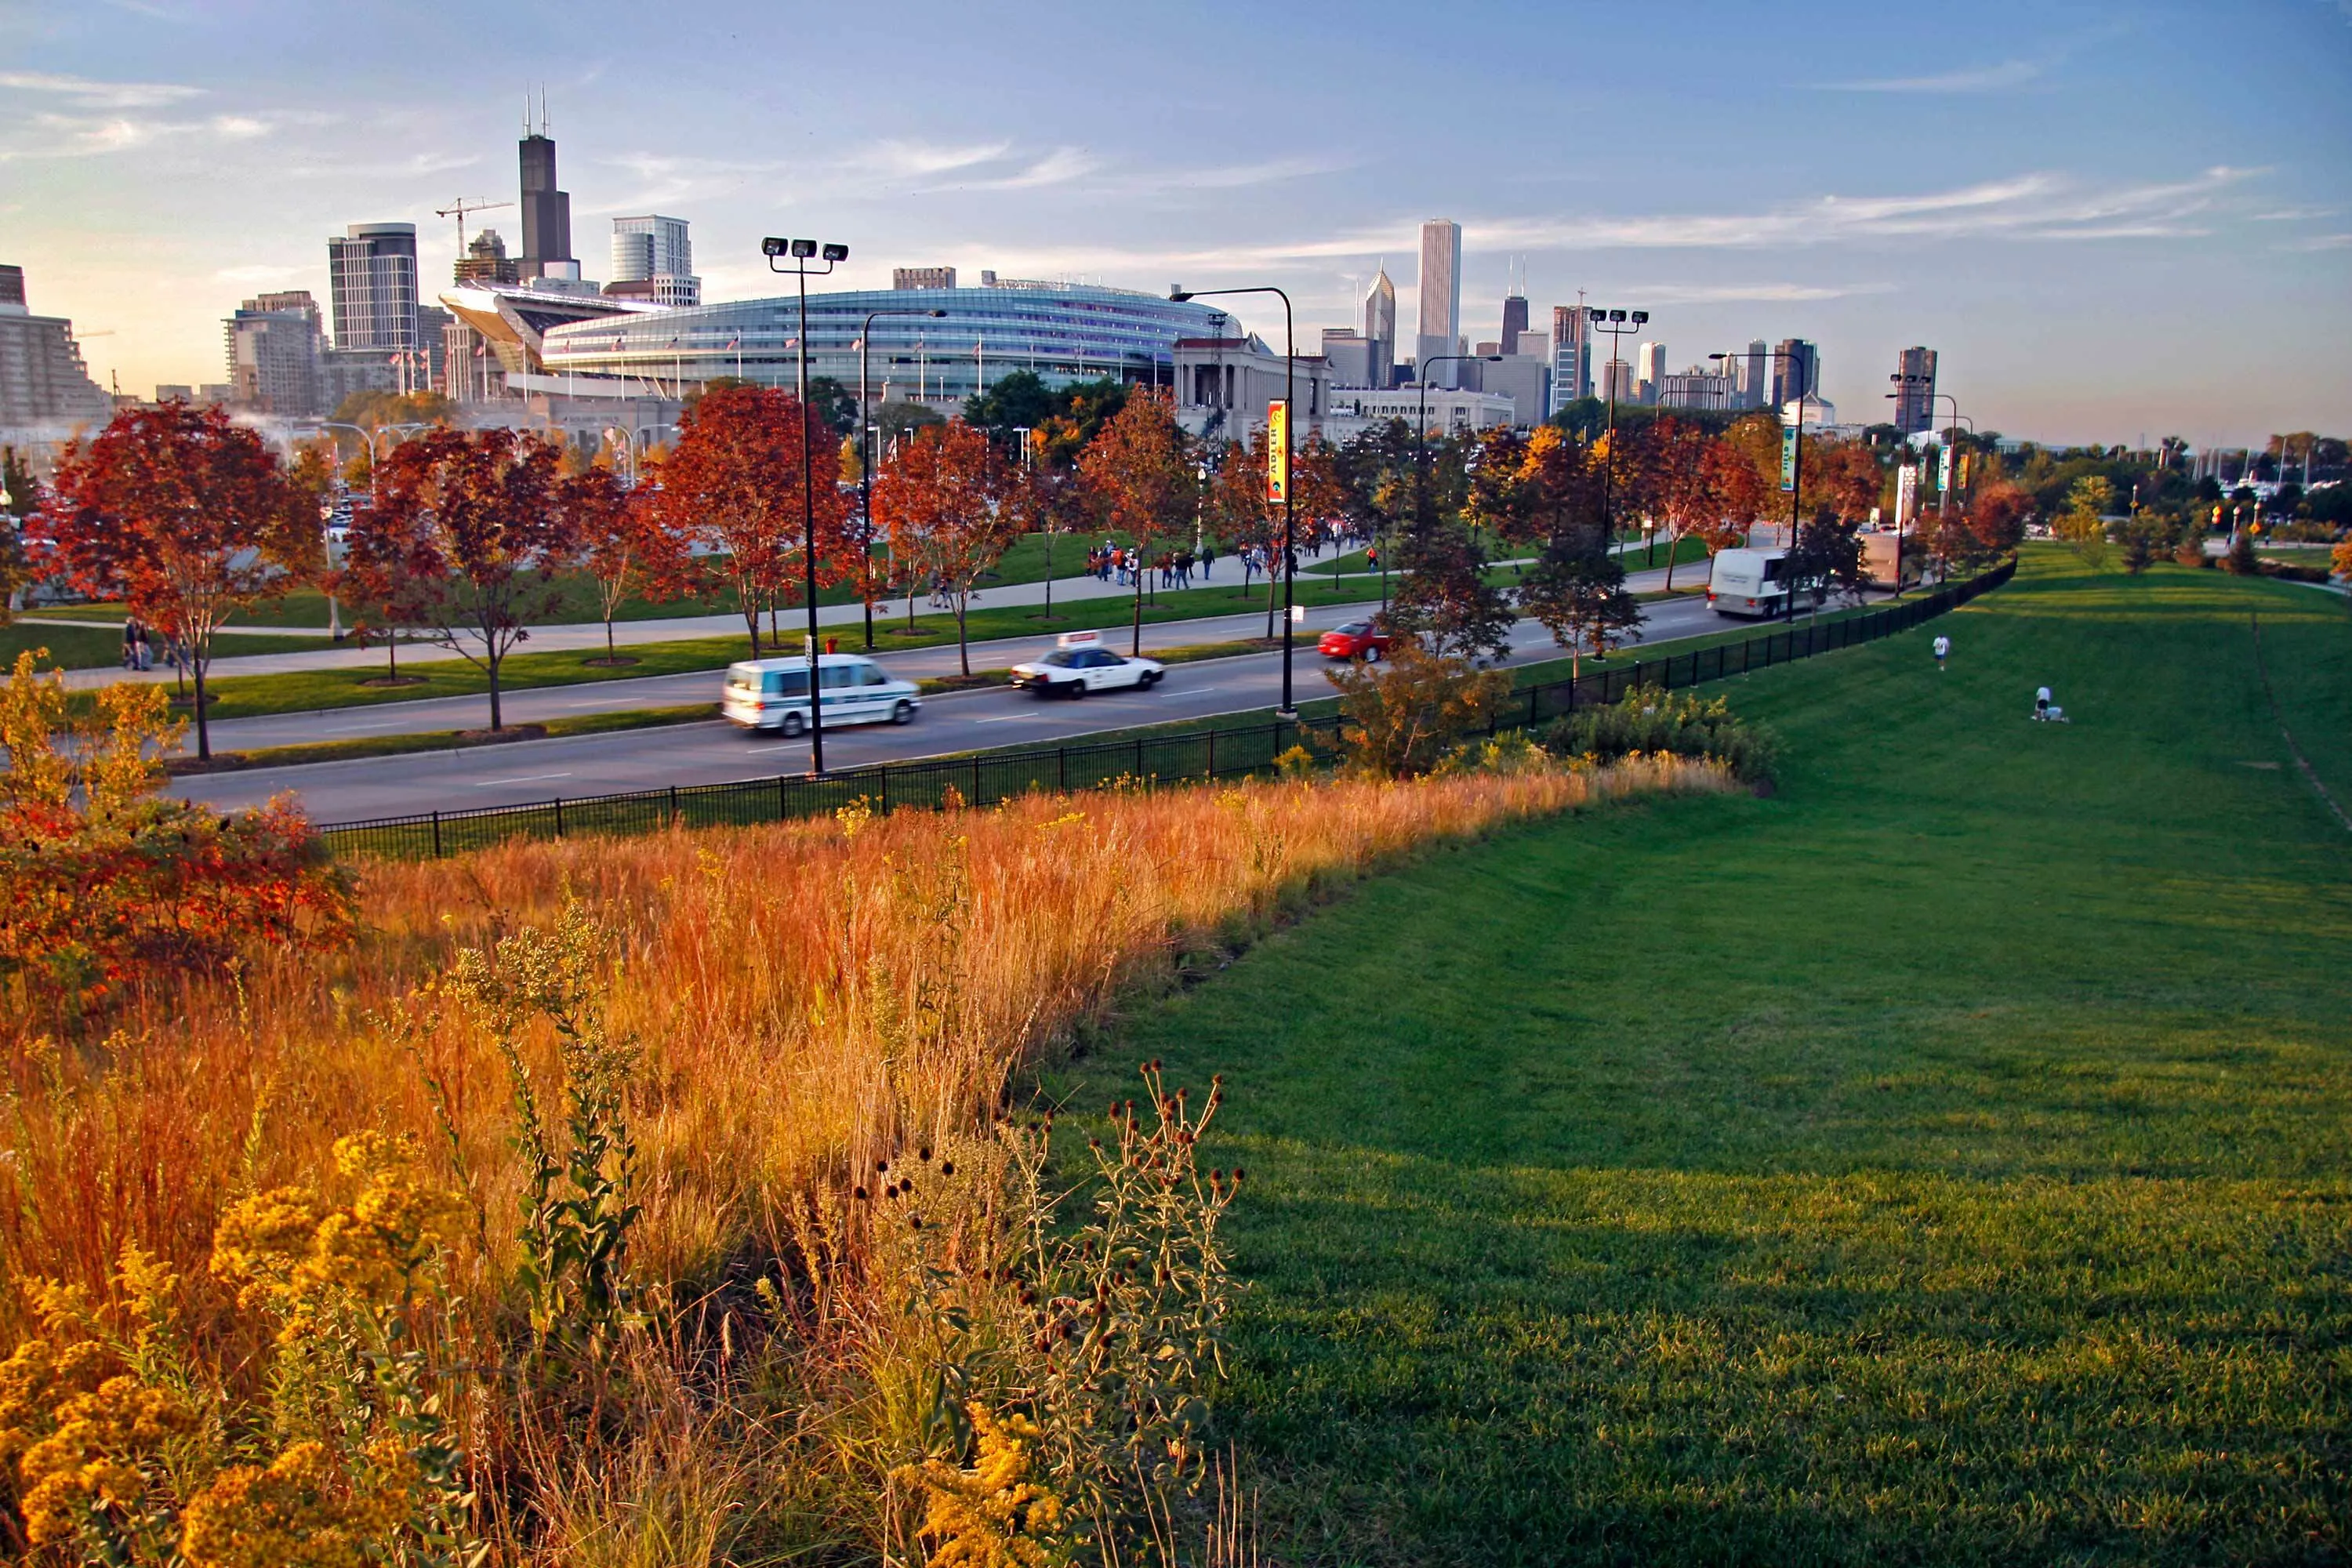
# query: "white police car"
{"type": "Point", "coordinates": [1080, 663]}
{"type": "Point", "coordinates": [773, 693]}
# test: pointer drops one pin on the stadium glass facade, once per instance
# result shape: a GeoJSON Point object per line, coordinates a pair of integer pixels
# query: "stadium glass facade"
{"type": "Point", "coordinates": [1063, 331]}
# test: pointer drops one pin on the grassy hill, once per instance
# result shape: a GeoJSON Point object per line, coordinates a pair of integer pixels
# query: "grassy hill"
{"type": "Point", "coordinates": [1946, 1160]}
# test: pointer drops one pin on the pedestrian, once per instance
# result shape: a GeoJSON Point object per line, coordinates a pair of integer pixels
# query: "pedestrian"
{"type": "Point", "coordinates": [1943, 648]}
{"type": "Point", "coordinates": [130, 643]}
{"type": "Point", "coordinates": [1208, 559]}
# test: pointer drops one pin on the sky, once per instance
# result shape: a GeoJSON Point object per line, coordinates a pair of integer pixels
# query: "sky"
{"type": "Point", "coordinates": [2115, 222]}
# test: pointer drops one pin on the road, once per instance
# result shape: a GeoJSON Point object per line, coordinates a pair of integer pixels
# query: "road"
{"type": "Point", "coordinates": [715, 751]}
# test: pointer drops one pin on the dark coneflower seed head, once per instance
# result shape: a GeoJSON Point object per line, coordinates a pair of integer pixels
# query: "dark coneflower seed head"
{"type": "Point", "coordinates": [880, 1166]}
{"type": "Point", "coordinates": [924, 1154]}
{"type": "Point", "coordinates": [947, 1167]}
{"type": "Point", "coordinates": [858, 1192]}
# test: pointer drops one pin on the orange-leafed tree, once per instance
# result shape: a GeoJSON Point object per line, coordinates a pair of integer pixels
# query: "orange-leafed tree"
{"type": "Point", "coordinates": [733, 486]}
{"type": "Point", "coordinates": [469, 529]}
{"type": "Point", "coordinates": [1243, 516]}
{"type": "Point", "coordinates": [185, 516]}
{"type": "Point", "coordinates": [944, 492]}
{"type": "Point", "coordinates": [1141, 465]}
{"type": "Point", "coordinates": [624, 543]}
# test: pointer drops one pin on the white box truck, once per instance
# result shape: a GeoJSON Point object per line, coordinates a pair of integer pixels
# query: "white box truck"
{"type": "Point", "coordinates": [1748, 583]}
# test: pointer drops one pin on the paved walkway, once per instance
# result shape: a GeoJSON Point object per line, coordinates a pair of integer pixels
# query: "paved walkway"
{"type": "Point", "coordinates": [586, 635]}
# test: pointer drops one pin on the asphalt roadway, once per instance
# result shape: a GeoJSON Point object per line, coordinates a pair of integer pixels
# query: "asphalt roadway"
{"type": "Point", "coordinates": [715, 751]}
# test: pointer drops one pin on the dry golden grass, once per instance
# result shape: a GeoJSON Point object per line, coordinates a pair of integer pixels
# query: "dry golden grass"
{"type": "Point", "coordinates": [805, 996]}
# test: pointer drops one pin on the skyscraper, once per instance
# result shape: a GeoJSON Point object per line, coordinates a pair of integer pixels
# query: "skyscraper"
{"type": "Point", "coordinates": [42, 377]}
{"type": "Point", "coordinates": [1437, 328]}
{"type": "Point", "coordinates": [372, 279]}
{"type": "Point", "coordinates": [546, 214]}
{"type": "Point", "coordinates": [274, 346]}
{"type": "Point", "coordinates": [1796, 371]}
{"type": "Point", "coordinates": [1515, 322]}
{"type": "Point", "coordinates": [1379, 331]}
{"type": "Point", "coordinates": [1571, 356]}
{"type": "Point", "coordinates": [486, 261]}
{"type": "Point", "coordinates": [1650, 371]}
{"type": "Point", "coordinates": [1754, 374]}
{"type": "Point", "coordinates": [1915, 391]}
{"type": "Point", "coordinates": [656, 253]}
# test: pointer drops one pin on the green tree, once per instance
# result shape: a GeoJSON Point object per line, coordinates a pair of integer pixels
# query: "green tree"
{"type": "Point", "coordinates": [23, 496]}
{"type": "Point", "coordinates": [1398, 720]}
{"type": "Point", "coordinates": [1443, 597]}
{"type": "Point", "coordinates": [2084, 524]}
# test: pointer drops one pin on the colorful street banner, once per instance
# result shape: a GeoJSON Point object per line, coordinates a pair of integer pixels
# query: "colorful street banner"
{"type": "Point", "coordinates": [1788, 458]}
{"type": "Point", "coordinates": [1277, 450]}
{"type": "Point", "coordinates": [1907, 496]}
{"type": "Point", "coordinates": [1944, 474]}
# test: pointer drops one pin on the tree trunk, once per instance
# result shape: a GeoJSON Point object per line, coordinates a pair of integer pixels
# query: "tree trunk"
{"type": "Point", "coordinates": [1674, 545]}
{"type": "Point", "coordinates": [610, 656]}
{"type": "Point", "coordinates": [751, 621]}
{"type": "Point", "coordinates": [490, 660]}
{"type": "Point", "coordinates": [963, 642]}
{"type": "Point", "coordinates": [1270, 586]}
{"type": "Point", "coordinates": [1135, 645]}
{"type": "Point", "coordinates": [204, 724]}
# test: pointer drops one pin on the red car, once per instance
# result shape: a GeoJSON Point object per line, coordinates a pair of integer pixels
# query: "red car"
{"type": "Point", "coordinates": [1367, 640]}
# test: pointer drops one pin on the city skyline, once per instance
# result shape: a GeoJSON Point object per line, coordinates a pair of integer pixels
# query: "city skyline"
{"type": "Point", "coordinates": [2035, 208]}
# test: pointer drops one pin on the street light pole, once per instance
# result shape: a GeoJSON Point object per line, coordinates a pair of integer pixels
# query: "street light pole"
{"type": "Point", "coordinates": [1288, 710]}
{"type": "Point", "coordinates": [866, 433]}
{"type": "Point", "coordinates": [800, 250]}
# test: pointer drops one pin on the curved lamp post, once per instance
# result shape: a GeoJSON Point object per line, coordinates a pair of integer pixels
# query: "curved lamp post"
{"type": "Point", "coordinates": [865, 435]}
{"type": "Point", "coordinates": [1288, 710]}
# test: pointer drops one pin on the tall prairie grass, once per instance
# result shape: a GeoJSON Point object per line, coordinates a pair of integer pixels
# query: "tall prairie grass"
{"type": "Point", "coordinates": [805, 996]}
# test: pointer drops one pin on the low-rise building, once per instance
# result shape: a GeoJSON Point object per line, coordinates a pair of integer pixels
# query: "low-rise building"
{"type": "Point", "coordinates": [1448, 410]}
{"type": "Point", "coordinates": [1224, 383]}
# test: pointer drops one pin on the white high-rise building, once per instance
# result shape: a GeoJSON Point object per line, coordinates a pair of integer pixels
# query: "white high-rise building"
{"type": "Point", "coordinates": [653, 259]}
{"type": "Point", "coordinates": [1650, 371]}
{"type": "Point", "coordinates": [1379, 331]}
{"type": "Point", "coordinates": [1438, 328]}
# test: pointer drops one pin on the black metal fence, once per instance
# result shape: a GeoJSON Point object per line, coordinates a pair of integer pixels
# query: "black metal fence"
{"type": "Point", "coordinates": [985, 779]}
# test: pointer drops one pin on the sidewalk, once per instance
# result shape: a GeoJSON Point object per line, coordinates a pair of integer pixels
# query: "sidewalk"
{"type": "Point", "coordinates": [590, 634]}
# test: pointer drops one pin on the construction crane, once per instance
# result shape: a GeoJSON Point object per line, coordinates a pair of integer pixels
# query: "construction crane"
{"type": "Point", "coordinates": [459, 212]}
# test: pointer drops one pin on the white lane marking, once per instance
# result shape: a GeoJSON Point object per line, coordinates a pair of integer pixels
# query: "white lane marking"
{"type": "Point", "coordinates": [1012, 719]}
{"type": "Point", "coordinates": [365, 725]}
{"type": "Point", "coordinates": [518, 778]}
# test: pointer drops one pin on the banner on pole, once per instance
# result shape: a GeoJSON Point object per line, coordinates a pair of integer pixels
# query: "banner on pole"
{"type": "Point", "coordinates": [1944, 473]}
{"type": "Point", "coordinates": [1907, 496]}
{"type": "Point", "coordinates": [1788, 458]}
{"type": "Point", "coordinates": [1277, 450]}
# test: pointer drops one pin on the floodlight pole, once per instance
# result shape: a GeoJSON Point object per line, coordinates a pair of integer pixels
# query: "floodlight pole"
{"type": "Point", "coordinates": [800, 250]}
{"type": "Point", "coordinates": [1619, 324]}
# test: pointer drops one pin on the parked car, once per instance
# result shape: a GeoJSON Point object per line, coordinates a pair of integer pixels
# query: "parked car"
{"type": "Point", "coordinates": [1080, 664]}
{"type": "Point", "coordinates": [1367, 640]}
{"type": "Point", "coordinates": [773, 693]}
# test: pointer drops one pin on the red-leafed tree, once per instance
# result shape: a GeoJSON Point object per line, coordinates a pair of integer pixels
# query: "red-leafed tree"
{"type": "Point", "coordinates": [624, 543]}
{"type": "Point", "coordinates": [733, 486]}
{"type": "Point", "coordinates": [1139, 465]}
{"type": "Point", "coordinates": [943, 491]}
{"type": "Point", "coordinates": [185, 516]}
{"type": "Point", "coordinates": [467, 534]}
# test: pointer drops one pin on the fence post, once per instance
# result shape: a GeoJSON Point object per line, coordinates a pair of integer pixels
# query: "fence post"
{"type": "Point", "coordinates": [975, 781]}
{"type": "Point", "coordinates": [1532, 705]}
{"type": "Point", "coordinates": [1139, 758]}
{"type": "Point", "coordinates": [436, 833]}
{"type": "Point", "coordinates": [559, 816]}
{"type": "Point", "coordinates": [1212, 753]}
{"type": "Point", "coordinates": [882, 782]}
{"type": "Point", "coordinates": [1062, 761]}
{"type": "Point", "coordinates": [780, 798]}
{"type": "Point", "coordinates": [673, 804]}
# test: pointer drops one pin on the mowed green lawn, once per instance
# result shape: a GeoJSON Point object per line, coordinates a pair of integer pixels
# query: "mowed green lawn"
{"type": "Point", "coordinates": [1947, 1160]}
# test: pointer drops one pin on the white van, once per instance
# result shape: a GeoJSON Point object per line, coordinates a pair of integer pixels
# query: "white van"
{"type": "Point", "coordinates": [1748, 583]}
{"type": "Point", "coordinates": [773, 693]}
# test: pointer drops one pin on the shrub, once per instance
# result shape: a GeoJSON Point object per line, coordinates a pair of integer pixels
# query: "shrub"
{"type": "Point", "coordinates": [111, 888]}
{"type": "Point", "coordinates": [1647, 719]}
{"type": "Point", "coordinates": [2242, 558]}
{"type": "Point", "coordinates": [1399, 719]}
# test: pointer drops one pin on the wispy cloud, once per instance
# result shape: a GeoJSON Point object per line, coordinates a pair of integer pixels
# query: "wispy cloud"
{"type": "Point", "coordinates": [1770, 293]}
{"type": "Point", "coordinates": [1061, 166]}
{"type": "Point", "coordinates": [917, 159]}
{"type": "Point", "coordinates": [1980, 78]}
{"type": "Point", "coordinates": [2320, 242]}
{"type": "Point", "coordinates": [84, 93]}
